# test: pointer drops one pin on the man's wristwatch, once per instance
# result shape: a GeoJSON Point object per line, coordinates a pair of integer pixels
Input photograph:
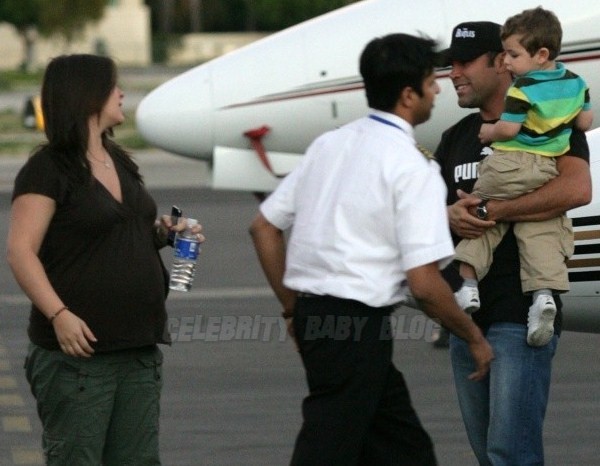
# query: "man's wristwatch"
{"type": "Point", "coordinates": [481, 211]}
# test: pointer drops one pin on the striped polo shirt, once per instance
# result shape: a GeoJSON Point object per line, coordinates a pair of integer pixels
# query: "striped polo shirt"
{"type": "Point", "coordinates": [546, 103]}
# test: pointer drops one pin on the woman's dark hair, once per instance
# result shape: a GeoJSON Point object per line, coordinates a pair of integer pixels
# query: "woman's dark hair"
{"type": "Point", "coordinates": [75, 88]}
{"type": "Point", "coordinates": [391, 63]}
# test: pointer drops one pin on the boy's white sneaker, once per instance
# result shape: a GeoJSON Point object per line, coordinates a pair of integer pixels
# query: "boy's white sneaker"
{"type": "Point", "coordinates": [540, 321]}
{"type": "Point", "coordinates": [468, 298]}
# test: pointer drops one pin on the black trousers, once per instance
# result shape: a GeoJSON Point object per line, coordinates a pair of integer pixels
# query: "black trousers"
{"type": "Point", "coordinates": [358, 411]}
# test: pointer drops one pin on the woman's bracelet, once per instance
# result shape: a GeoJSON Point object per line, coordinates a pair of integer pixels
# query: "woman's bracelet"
{"type": "Point", "coordinates": [55, 315]}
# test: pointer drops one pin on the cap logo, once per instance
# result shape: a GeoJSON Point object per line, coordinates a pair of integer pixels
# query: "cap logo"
{"type": "Point", "coordinates": [464, 33]}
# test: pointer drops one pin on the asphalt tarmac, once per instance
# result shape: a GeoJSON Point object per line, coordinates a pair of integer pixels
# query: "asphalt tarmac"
{"type": "Point", "coordinates": [233, 383]}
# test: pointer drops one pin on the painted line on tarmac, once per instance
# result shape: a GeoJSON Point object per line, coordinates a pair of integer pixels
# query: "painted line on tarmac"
{"type": "Point", "coordinates": [13, 422]}
{"type": "Point", "coordinates": [27, 456]}
{"type": "Point", "coordinates": [18, 424]}
{"type": "Point", "coordinates": [240, 292]}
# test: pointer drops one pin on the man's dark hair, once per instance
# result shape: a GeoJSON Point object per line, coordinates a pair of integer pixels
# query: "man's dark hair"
{"type": "Point", "coordinates": [391, 63]}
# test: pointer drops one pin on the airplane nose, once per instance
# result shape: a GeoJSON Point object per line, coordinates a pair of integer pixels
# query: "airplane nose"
{"type": "Point", "coordinates": [177, 116]}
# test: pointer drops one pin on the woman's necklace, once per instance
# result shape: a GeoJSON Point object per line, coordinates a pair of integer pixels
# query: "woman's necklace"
{"type": "Point", "coordinates": [104, 162]}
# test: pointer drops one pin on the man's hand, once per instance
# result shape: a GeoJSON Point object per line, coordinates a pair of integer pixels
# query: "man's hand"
{"type": "Point", "coordinates": [482, 355]}
{"type": "Point", "coordinates": [436, 299]}
{"type": "Point", "coordinates": [462, 221]}
{"type": "Point", "coordinates": [570, 189]}
{"type": "Point", "coordinates": [288, 316]}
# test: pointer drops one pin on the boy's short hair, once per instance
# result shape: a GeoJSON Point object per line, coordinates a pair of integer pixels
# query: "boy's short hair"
{"type": "Point", "coordinates": [538, 27]}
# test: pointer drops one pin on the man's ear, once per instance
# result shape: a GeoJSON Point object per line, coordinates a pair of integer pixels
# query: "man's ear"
{"type": "Point", "coordinates": [499, 63]}
{"type": "Point", "coordinates": [407, 96]}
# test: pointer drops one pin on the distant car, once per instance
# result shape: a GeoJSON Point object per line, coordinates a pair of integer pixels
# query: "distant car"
{"type": "Point", "coordinates": [32, 113]}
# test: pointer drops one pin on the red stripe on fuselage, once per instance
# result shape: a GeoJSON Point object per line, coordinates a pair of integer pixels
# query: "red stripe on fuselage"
{"type": "Point", "coordinates": [354, 84]}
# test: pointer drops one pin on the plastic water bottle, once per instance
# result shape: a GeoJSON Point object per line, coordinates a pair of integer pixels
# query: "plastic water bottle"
{"type": "Point", "coordinates": [185, 254]}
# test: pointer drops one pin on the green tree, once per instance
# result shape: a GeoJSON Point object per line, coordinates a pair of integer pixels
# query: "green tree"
{"type": "Point", "coordinates": [266, 15]}
{"type": "Point", "coordinates": [171, 18]}
{"type": "Point", "coordinates": [273, 15]}
{"type": "Point", "coordinates": [24, 16]}
{"type": "Point", "coordinates": [66, 18]}
{"type": "Point", "coordinates": [174, 16]}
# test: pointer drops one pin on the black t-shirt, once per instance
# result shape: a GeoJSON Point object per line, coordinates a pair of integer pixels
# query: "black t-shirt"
{"type": "Point", "coordinates": [99, 256]}
{"type": "Point", "coordinates": [501, 295]}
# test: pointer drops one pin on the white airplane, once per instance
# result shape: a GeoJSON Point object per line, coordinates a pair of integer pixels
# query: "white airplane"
{"type": "Point", "coordinates": [252, 113]}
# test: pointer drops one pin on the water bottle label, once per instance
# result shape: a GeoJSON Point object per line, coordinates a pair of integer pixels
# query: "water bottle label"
{"type": "Point", "coordinates": [186, 249]}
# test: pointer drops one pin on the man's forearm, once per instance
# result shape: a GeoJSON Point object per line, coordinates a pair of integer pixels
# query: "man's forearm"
{"type": "Point", "coordinates": [570, 189]}
{"type": "Point", "coordinates": [436, 300]}
{"type": "Point", "coordinates": [270, 247]}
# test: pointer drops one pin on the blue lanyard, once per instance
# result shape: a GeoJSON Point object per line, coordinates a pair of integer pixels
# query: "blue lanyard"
{"type": "Point", "coordinates": [385, 122]}
{"type": "Point", "coordinates": [420, 148]}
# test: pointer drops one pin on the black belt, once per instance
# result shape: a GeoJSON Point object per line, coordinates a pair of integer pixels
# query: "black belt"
{"type": "Point", "coordinates": [302, 294]}
{"type": "Point", "coordinates": [371, 309]}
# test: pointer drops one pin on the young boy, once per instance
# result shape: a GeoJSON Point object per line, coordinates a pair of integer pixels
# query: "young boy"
{"type": "Point", "coordinates": [544, 102]}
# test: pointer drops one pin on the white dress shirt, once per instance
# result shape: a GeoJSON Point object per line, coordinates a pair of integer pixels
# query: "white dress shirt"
{"type": "Point", "coordinates": [365, 206]}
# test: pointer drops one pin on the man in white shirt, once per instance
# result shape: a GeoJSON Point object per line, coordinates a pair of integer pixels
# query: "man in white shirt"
{"type": "Point", "coordinates": [367, 214]}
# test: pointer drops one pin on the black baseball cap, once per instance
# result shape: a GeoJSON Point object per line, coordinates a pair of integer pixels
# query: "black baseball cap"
{"type": "Point", "coordinates": [471, 40]}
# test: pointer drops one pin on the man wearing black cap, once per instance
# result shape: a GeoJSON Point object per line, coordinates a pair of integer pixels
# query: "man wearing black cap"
{"type": "Point", "coordinates": [503, 414]}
